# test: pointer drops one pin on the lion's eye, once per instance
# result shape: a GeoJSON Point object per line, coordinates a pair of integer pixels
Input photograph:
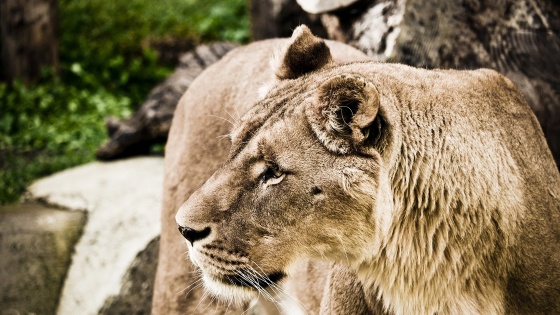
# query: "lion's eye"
{"type": "Point", "coordinates": [271, 175]}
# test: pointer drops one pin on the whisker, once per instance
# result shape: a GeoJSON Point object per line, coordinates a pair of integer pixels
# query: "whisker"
{"type": "Point", "coordinates": [238, 114]}
{"type": "Point", "coordinates": [195, 283]}
{"type": "Point", "coordinates": [233, 118]}
{"type": "Point", "coordinates": [289, 296]}
{"type": "Point", "coordinates": [262, 277]}
{"type": "Point", "coordinates": [271, 284]}
{"type": "Point", "coordinates": [283, 292]}
{"type": "Point", "coordinates": [230, 301]}
{"type": "Point", "coordinates": [320, 253]}
{"type": "Point", "coordinates": [204, 295]}
{"type": "Point", "coordinates": [222, 137]}
{"type": "Point", "coordinates": [279, 291]}
{"type": "Point", "coordinates": [343, 249]}
{"type": "Point", "coordinates": [248, 281]}
{"type": "Point", "coordinates": [267, 295]}
{"type": "Point", "coordinates": [199, 284]}
{"type": "Point", "coordinates": [225, 119]}
{"type": "Point", "coordinates": [196, 272]}
{"type": "Point", "coordinates": [212, 301]}
{"type": "Point", "coordinates": [245, 311]}
{"type": "Point", "coordinates": [183, 245]}
{"type": "Point", "coordinates": [254, 282]}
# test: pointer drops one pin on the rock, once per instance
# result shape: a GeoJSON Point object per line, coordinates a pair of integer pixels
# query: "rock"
{"type": "Point", "coordinates": [36, 243]}
{"type": "Point", "coordinates": [321, 6]}
{"type": "Point", "coordinates": [518, 38]}
{"type": "Point", "coordinates": [150, 124]}
{"type": "Point", "coordinates": [123, 201]}
{"type": "Point", "coordinates": [135, 296]}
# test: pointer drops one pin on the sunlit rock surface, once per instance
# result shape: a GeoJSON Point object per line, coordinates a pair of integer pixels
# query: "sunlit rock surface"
{"type": "Point", "coordinates": [122, 200]}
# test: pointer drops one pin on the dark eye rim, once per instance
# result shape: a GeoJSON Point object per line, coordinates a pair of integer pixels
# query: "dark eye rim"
{"type": "Point", "coordinates": [271, 172]}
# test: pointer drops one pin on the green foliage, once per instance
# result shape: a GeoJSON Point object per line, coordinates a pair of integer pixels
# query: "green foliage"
{"type": "Point", "coordinates": [49, 127]}
{"type": "Point", "coordinates": [109, 39]}
{"type": "Point", "coordinates": [107, 69]}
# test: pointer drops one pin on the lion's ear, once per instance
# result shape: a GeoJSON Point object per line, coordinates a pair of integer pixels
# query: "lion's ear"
{"type": "Point", "coordinates": [305, 53]}
{"type": "Point", "coordinates": [344, 114]}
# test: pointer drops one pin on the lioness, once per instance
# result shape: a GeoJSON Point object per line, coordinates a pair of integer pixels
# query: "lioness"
{"type": "Point", "coordinates": [197, 147]}
{"type": "Point", "coordinates": [435, 190]}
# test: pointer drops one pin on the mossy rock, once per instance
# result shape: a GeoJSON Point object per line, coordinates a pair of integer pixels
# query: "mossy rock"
{"type": "Point", "coordinates": [36, 245]}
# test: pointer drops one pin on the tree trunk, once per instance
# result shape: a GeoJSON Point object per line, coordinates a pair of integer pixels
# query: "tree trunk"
{"type": "Point", "coordinates": [29, 40]}
{"type": "Point", "coordinates": [278, 18]}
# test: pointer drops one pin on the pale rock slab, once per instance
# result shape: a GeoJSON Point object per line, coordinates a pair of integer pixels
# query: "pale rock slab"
{"type": "Point", "coordinates": [122, 200]}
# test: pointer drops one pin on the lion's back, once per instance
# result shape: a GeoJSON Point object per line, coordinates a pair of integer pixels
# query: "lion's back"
{"type": "Point", "coordinates": [498, 133]}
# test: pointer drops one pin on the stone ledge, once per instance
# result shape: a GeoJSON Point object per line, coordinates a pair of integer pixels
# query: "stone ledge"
{"type": "Point", "coordinates": [36, 244]}
{"type": "Point", "coordinates": [123, 201]}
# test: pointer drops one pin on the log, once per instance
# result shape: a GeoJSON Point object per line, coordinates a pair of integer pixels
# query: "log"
{"type": "Point", "coordinates": [150, 124]}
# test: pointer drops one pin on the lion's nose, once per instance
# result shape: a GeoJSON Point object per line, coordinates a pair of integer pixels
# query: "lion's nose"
{"type": "Point", "coordinates": [193, 235]}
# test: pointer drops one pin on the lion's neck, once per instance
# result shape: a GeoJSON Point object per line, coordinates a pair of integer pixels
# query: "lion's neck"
{"type": "Point", "coordinates": [446, 249]}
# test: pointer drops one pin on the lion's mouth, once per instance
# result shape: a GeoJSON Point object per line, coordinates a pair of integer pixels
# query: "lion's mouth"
{"type": "Point", "coordinates": [249, 280]}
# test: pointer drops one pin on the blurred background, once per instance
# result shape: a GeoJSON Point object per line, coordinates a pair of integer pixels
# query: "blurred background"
{"type": "Point", "coordinates": [99, 58]}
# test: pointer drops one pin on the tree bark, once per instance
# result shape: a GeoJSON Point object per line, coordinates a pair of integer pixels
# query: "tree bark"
{"type": "Point", "coordinates": [278, 18]}
{"type": "Point", "coordinates": [28, 38]}
{"type": "Point", "coordinates": [151, 123]}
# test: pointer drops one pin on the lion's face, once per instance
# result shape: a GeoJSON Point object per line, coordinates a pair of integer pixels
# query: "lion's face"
{"type": "Point", "coordinates": [296, 186]}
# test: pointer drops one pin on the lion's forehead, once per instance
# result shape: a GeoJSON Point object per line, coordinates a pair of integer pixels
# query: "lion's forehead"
{"type": "Point", "coordinates": [291, 134]}
{"type": "Point", "coordinates": [280, 110]}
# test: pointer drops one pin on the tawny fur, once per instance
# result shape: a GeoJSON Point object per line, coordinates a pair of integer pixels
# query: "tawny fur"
{"type": "Point", "coordinates": [197, 146]}
{"type": "Point", "coordinates": [428, 191]}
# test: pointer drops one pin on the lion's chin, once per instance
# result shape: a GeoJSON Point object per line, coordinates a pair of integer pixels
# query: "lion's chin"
{"type": "Point", "coordinates": [237, 290]}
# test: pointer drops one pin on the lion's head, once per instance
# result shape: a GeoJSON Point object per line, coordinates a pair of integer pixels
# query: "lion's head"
{"type": "Point", "coordinates": [302, 180]}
